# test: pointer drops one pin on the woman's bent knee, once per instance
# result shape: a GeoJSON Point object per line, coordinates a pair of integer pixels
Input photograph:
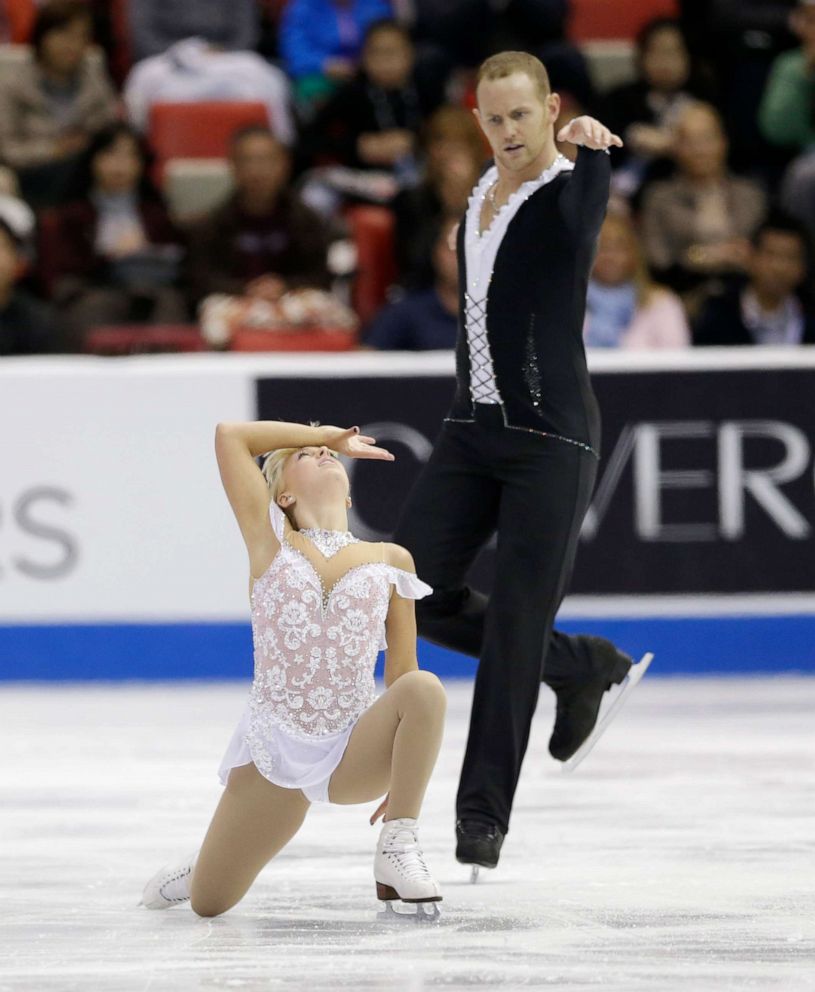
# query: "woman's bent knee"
{"type": "Point", "coordinates": [423, 687]}
{"type": "Point", "coordinates": [203, 908]}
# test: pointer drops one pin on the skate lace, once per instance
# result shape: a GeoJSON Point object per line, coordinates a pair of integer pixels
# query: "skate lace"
{"type": "Point", "coordinates": [404, 852]}
{"type": "Point", "coordinates": [169, 884]}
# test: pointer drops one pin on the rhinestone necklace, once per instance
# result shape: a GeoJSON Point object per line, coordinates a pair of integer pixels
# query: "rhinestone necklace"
{"type": "Point", "coordinates": [329, 542]}
{"type": "Point", "coordinates": [491, 195]}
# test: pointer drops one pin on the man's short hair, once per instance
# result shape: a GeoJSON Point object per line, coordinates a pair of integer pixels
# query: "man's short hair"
{"type": "Point", "coordinates": [779, 222]}
{"type": "Point", "coordinates": [386, 24]}
{"type": "Point", "coordinates": [507, 63]}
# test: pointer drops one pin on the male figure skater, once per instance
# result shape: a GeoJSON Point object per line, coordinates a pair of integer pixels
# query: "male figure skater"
{"type": "Point", "coordinates": [518, 452]}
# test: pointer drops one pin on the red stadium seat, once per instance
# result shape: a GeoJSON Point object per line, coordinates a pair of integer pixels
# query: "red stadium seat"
{"type": "Point", "coordinates": [318, 339]}
{"type": "Point", "coordinates": [133, 339]}
{"type": "Point", "coordinates": [373, 231]}
{"type": "Point", "coordinates": [199, 130]}
{"type": "Point", "coordinates": [592, 20]}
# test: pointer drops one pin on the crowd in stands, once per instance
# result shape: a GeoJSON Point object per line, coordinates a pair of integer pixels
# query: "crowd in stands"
{"type": "Point", "coordinates": [354, 120]}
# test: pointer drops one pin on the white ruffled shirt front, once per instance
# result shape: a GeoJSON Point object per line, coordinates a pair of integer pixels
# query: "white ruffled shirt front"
{"type": "Point", "coordinates": [481, 250]}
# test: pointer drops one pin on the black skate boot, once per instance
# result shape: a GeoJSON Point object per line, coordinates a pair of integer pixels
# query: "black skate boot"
{"type": "Point", "coordinates": [578, 703]}
{"type": "Point", "coordinates": [478, 844]}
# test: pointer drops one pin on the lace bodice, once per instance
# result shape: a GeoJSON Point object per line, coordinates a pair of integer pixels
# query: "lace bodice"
{"type": "Point", "coordinates": [316, 645]}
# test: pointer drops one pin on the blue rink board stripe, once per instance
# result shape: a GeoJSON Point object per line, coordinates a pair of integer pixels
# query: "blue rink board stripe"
{"type": "Point", "coordinates": [682, 645]}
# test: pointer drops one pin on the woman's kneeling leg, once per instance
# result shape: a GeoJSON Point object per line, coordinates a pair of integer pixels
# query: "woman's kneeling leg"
{"type": "Point", "coordinates": [253, 822]}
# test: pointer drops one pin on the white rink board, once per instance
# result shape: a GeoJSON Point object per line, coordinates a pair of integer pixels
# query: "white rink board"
{"type": "Point", "coordinates": [110, 502]}
{"type": "Point", "coordinates": [111, 509]}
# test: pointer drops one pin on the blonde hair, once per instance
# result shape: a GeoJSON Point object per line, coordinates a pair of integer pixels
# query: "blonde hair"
{"type": "Point", "coordinates": [273, 464]}
{"type": "Point", "coordinates": [507, 63]}
{"type": "Point", "coordinates": [272, 468]}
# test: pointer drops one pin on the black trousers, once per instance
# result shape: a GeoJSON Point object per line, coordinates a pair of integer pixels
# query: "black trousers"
{"type": "Point", "coordinates": [534, 491]}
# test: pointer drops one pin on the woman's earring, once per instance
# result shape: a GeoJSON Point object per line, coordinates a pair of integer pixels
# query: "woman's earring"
{"type": "Point", "coordinates": [348, 502]}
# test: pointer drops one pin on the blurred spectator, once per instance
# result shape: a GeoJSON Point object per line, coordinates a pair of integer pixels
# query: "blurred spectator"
{"type": "Point", "coordinates": [786, 112]}
{"type": "Point", "coordinates": [624, 307]}
{"type": "Point", "coordinates": [52, 102]}
{"type": "Point", "coordinates": [787, 115]}
{"type": "Point", "coordinates": [644, 111]}
{"type": "Point", "coordinates": [16, 21]}
{"type": "Point", "coordinates": [369, 128]}
{"type": "Point", "coordinates": [427, 319]}
{"type": "Point", "coordinates": [766, 310]}
{"type": "Point", "coordinates": [193, 70]}
{"type": "Point", "coordinates": [115, 254]}
{"type": "Point", "coordinates": [321, 40]}
{"type": "Point", "coordinates": [27, 325]}
{"type": "Point", "coordinates": [263, 240]}
{"type": "Point", "coordinates": [467, 31]}
{"type": "Point", "coordinates": [155, 25]}
{"type": "Point", "coordinates": [370, 124]}
{"type": "Point", "coordinates": [697, 226]}
{"type": "Point", "coordinates": [738, 40]}
{"type": "Point", "coordinates": [454, 155]}
{"type": "Point", "coordinates": [373, 120]}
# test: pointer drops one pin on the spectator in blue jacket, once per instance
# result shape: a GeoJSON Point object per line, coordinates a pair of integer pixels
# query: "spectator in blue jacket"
{"type": "Point", "coordinates": [321, 41]}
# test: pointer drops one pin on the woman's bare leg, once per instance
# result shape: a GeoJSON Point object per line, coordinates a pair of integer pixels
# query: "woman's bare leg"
{"type": "Point", "coordinates": [394, 747]}
{"type": "Point", "coordinates": [253, 822]}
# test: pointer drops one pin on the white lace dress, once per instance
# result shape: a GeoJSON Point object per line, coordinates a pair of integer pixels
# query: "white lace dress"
{"type": "Point", "coordinates": [315, 653]}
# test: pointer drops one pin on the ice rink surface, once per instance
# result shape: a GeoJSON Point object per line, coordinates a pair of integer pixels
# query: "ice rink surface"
{"type": "Point", "coordinates": [681, 855]}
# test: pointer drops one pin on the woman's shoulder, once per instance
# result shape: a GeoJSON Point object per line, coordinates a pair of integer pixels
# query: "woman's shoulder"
{"type": "Point", "coordinates": [399, 557]}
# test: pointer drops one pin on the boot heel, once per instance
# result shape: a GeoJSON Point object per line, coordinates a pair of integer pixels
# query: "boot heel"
{"type": "Point", "coordinates": [385, 893]}
{"type": "Point", "coordinates": [621, 668]}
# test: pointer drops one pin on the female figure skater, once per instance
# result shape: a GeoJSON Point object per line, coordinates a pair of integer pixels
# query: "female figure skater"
{"type": "Point", "coordinates": [323, 605]}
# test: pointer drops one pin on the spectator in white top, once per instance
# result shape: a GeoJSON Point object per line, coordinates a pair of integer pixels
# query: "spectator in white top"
{"type": "Point", "coordinates": [193, 70]}
{"type": "Point", "coordinates": [624, 307]}
{"type": "Point", "coordinates": [155, 25]}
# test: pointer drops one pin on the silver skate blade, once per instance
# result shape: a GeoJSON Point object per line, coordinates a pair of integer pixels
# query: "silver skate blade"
{"type": "Point", "coordinates": [632, 679]}
{"type": "Point", "coordinates": [408, 914]}
{"type": "Point", "coordinates": [474, 869]}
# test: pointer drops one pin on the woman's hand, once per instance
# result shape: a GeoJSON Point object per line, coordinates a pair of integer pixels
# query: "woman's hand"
{"type": "Point", "coordinates": [590, 133]}
{"type": "Point", "coordinates": [353, 444]}
{"type": "Point", "coordinates": [381, 810]}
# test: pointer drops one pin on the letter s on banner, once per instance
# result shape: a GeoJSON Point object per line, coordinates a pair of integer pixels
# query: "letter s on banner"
{"type": "Point", "coordinates": [29, 524]}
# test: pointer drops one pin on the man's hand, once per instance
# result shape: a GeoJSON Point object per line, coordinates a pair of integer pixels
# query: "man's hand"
{"type": "Point", "coordinates": [590, 133]}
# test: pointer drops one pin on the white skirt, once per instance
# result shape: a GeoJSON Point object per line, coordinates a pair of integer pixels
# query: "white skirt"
{"type": "Point", "coordinates": [298, 764]}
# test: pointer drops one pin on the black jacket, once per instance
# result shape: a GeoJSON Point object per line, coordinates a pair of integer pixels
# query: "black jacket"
{"type": "Point", "coordinates": [720, 322]}
{"type": "Point", "coordinates": [535, 307]}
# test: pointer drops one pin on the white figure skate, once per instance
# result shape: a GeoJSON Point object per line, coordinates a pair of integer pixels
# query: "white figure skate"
{"type": "Point", "coordinates": [170, 886]}
{"type": "Point", "coordinates": [632, 679]}
{"type": "Point", "coordinates": [404, 885]}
